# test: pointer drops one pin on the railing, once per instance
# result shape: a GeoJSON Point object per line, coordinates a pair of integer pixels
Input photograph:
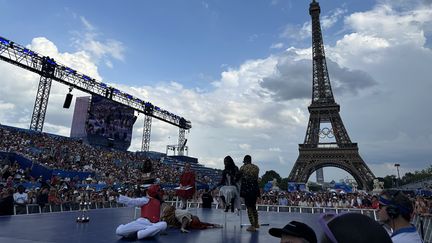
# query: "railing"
{"type": "Point", "coordinates": [65, 207]}
{"type": "Point", "coordinates": [422, 222]}
{"type": "Point", "coordinates": [289, 209]}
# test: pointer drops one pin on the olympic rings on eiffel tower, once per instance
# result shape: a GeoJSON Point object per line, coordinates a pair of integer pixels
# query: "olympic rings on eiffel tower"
{"type": "Point", "coordinates": [326, 132]}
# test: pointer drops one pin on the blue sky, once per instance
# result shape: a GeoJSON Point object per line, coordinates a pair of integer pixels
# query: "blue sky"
{"type": "Point", "coordinates": [159, 35]}
{"type": "Point", "coordinates": [240, 71]}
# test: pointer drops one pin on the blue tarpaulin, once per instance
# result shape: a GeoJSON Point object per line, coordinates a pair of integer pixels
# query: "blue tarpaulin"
{"type": "Point", "coordinates": [342, 186]}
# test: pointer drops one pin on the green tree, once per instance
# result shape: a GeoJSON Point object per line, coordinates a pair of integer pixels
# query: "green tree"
{"type": "Point", "coordinates": [314, 187]}
{"type": "Point", "coordinates": [416, 176]}
{"type": "Point", "coordinates": [409, 177]}
{"type": "Point", "coordinates": [389, 181]}
{"type": "Point", "coordinates": [269, 176]}
{"type": "Point", "coordinates": [283, 185]}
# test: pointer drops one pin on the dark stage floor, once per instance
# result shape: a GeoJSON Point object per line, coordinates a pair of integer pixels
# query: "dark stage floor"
{"type": "Point", "coordinates": [61, 227]}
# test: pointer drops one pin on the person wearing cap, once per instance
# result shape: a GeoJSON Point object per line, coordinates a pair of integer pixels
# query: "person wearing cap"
{"type": "Point", "coordinates": [249, 190]}
{"type": "Point", "coordinates": [294, 232]}
{"type": "Point", "coordinates": [149, 224]}
{"type": "Point", "coordinates": [395, 211]}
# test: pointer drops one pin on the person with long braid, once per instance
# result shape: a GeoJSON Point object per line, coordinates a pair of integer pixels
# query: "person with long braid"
{"type": "Point", "coordinates": [229, 192]}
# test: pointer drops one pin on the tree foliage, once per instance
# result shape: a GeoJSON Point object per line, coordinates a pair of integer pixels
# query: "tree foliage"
{"type": "Point", "coordinates": [284, 184]}
{"type": "Point", "coordinates": [269, 176]}
{"type": "Point", "coordinates": [389, 181]}
{"type": "Point", "coordinates": [410, 177]}
{"type": "Point", "coordinates": [416, 176]}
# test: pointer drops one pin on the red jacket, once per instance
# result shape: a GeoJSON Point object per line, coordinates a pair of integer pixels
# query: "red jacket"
{"type": "Point", "coordinates": [151, 210]}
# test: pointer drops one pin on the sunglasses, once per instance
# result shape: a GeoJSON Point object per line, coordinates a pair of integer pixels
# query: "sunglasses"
{"type": "Point", "coordinates": [324, 220]}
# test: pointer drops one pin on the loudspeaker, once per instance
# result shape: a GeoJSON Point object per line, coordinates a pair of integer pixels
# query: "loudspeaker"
{"type": "Point", "coordinates": [134, 119]}
{"type": "Point", "coordinates": [68, 101]}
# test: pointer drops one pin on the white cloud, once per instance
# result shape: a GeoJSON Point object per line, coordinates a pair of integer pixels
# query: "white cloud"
{"type": "Point", "coordinates": [205, 4]}
{"type": "Point", "coordinates": [398, 28]}
{"type": "Point", "coordinates": [87, 24]}
{"type": "Point", "coordinates": [328, 21]}
{"type": "Point", "coordinates": [245, 146]}
{"type": "Point", "coordinates": [301, 32]}
{"type": "Point", "coordinates": [278, 45]}
{"type": "Point", "coordinates": [357, 44]}
{"type": "Point", "coordinates": [80, 60]}
{"type": "Point", "coordinates": [90, 41]}
{"type": "Point", "coordinates": [379, 74]}
{"type": "Point", "coordinates": [275, 149]}
{"type": "Point", "coordinates": [297, 32]}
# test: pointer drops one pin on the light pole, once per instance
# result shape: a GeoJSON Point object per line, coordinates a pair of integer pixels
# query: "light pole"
{"type": "Point", "coordinates": [397, 168]}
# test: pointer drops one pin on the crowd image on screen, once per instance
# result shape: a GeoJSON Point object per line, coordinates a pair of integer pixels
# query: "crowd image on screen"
{"type": "Point", "coordinates": [108, 119]}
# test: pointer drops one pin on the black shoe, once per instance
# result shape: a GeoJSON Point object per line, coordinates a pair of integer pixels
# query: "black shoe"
{"type": "Point", "coordinates": [226, 209]}
{"type": "Point", "coordinates": [232, 205]}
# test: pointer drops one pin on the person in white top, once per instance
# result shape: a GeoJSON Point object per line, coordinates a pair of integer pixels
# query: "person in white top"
{"type": "Point", "coordinates": [20, 197]}
{"type": "Point", "coordinates": [20, 200]}
{"type": "Point", "coordinates": [395, 211]}
{"type": "Point", "coordinates": [149, 224]}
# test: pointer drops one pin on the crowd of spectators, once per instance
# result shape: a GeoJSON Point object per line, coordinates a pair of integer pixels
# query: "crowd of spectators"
{"type": "Point", "coordinates": [114, 169]}
{"type": "Point", "coordinates": [21, 190]}
{"type": "Point", "coordinates": [63, 153]}
{"type": "Point", "coordinates": [329, 199]}
{"type": "Point", "coordinates": [122, 168]}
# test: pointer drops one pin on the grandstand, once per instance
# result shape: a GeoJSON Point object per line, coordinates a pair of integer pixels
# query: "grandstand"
{"type": "Point", "coordinates": [421, 184]}
{"type": "Point", "coordinates": [59, 171]}
{"type": "Point", "coordinates": [53, 155]}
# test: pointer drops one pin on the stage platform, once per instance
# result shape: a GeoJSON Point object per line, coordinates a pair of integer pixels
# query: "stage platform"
{"type": "Point", "coordinates": [61, 227]}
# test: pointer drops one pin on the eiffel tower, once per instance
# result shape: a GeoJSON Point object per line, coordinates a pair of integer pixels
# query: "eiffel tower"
{"type": "Point", "coordinates": [340, 152]}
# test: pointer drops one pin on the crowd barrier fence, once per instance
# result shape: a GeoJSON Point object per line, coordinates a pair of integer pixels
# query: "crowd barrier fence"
{"type": "Point", "coordinates": [422, 222]}
{"type": "Point", "coordinates": [64, 207]}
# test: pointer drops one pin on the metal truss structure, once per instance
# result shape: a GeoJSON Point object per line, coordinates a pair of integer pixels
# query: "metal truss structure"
{"type": "Point", "coordinates": [41, 102]}
{"type": "Point", "coordinates": [181, 141]}
{"type": "Point", "coordinates": [175, 148]}
{"type": "Point", "coordinates": [49, 69]}
{"type": "Point", "coordinates": [145, 145]}
{"type": "Point", "coordinates": [314, 154]}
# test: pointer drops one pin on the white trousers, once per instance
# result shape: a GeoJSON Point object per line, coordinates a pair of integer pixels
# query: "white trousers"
{"type": "Point", "coordinates": [142, 227]}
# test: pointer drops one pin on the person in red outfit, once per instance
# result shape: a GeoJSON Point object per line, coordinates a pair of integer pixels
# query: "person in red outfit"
{"type": "Point", "coordinates": [187, 179]}
{"type": "Point", "coordinates": [149, 224]}
{"type": "Point", "coordinates": [375, 202]}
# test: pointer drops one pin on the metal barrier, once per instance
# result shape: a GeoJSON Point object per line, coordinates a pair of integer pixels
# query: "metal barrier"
{"type": "Point", "coordinates": [423, 223]}
{"type": "Point", "coordinates": [65, 207]}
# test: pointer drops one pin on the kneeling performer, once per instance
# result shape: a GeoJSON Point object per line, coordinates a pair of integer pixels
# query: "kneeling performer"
{"type": "Point", "coordinates": [149, 224]}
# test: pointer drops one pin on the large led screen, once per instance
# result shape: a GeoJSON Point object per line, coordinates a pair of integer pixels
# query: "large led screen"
{"type": "Point", "coordinates": [109, 124]}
